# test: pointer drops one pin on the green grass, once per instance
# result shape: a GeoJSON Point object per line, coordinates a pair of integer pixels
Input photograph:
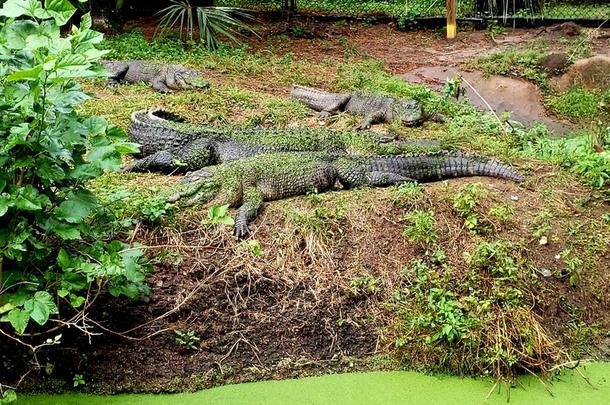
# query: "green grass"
{"type": "Point", "coordinates": [515, 62]}
{"type": "Point", "coordinates": [579, 104]}
{"type": "Point", "coordinates": [371, 388]}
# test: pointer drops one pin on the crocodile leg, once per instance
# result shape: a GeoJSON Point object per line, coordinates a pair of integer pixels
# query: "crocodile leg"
{"type": "Point", "coordinates": [158, 84]}
{"type": "Point", "coordinates": [371, 119]}
{"type": "Point", "coordinates": [252, 203]}
{"type": "Point", "coordinates": [162, 161]}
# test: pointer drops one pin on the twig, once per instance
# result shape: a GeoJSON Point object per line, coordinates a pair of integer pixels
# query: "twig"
{"type": "Point", "coordinates": [486, 103]}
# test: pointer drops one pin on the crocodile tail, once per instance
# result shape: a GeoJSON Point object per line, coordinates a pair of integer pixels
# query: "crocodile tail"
{"type": "Point", "coordinates": [458, 164]}
{"type": "Point", "coordinates": [442, 165]}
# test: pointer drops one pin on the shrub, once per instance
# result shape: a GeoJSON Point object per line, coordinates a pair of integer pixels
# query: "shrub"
{"type": "Point", "coordinates": [55, 252]}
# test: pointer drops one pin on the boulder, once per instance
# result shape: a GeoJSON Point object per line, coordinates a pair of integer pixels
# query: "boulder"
{"type": "Point", "coordinates": [591, 73]}
{"type": "Point", "coordinates": [554, 63]}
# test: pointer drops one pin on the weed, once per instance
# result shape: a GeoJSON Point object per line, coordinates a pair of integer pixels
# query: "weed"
{"type": "Point", "coordinates": [503, 213]}
{"type": "Point", "coordinates": [408, 194]}
{"type": "Point", "coordinates": [464, 203]}
{"type": "Point", "coordinates": [219, 214]}
{"type": "Point", "coordinates": [363, 286]}
{"type": "Point", "coordinates": [254, 246]}
{"type": "Point", "coordinates": [478, 321]}
{"type": "Point", "coordinates": [188, 341]}
{"type": "Point", "coordinates": [578, 103]}
{"type": "Point", "coordinates": [321, 221]}
{"type": "Point", "coordinates": [78, 380]}
{"type": "Point", "coordinates": [515, 62]}
{"type": "Point", "coordinates": [154, 208]}
{"type": "Point", "coordinates": [578, 153]}
{"type": "Point", "coordinates": [574, 265]}
{"type": "Point", "coordinates": [422, 228]}
{"type": "Point", "coordinates": [168, 258]}
{"type": "Point", "coordinates": [453, 87]}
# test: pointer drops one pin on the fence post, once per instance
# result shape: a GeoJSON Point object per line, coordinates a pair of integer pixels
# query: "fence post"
{"type": "Point", "coordinates": [451, 19]}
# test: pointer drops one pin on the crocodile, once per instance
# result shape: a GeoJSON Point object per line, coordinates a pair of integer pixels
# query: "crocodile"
{"type": "Point", "coordinates": [170, 145]}
{"type": "Point", "coordinates": [376, 109]}
{"type": "Point", "coordinates": [249, 182]}
{"type": "Point", "coordinates": [164, 77]}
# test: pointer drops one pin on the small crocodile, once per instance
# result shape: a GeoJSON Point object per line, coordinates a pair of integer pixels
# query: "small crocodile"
{"type": "Point", "coordinates": [376, 109]}
{"type": "Point", "coordinates": [163, 77]}
{"type": "Point", "coordinates": [170, 145]}
{"type": "Point", "coordinates": [249, 182]}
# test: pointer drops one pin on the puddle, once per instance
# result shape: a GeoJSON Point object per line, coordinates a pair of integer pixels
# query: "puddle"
{"type": "Point", "coordinates": [504, 94]}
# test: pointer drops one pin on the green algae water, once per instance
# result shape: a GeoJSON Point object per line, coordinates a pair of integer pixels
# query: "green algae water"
{"type": "Point", "coordinates": [372, 388]}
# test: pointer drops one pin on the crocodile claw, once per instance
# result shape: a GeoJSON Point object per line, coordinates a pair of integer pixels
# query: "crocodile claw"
{"type": "Point", "coordinates": [240, 231]}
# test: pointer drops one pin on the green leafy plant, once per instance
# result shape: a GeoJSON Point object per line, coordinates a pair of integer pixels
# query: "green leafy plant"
{"type": "Point", "coordinates": [408, 194]}
{"type": "Point", "coordinates": [8, 397]}
{"type": "Point", "coordinates": [219, 214]}
{"type": "Point", "coordinates": [363, 285]}
{"type": "Point", "coordinates": [464, 203]}
{"type": "Point", "coordinates": [56, 254]}
{"type": "Point", "coordinates": [78, 380]}
{"type": "Point", "coordinates": [453, 87]}
{"type": "Point", "coordinates": [210, 22]}
{"type": "Point", "coordinates": [254, 246]}
{"type": "Point", "coordinates": [422, 228]}
{"type": "Point", "coordinates": [187, 340]}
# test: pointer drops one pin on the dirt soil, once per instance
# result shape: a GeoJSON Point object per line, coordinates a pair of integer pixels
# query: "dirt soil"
{"type": "Point", "coordinates": [287, 312]}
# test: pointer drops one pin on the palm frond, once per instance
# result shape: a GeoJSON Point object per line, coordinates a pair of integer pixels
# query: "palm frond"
{"type": "Point", "coordinates": [211, 21]}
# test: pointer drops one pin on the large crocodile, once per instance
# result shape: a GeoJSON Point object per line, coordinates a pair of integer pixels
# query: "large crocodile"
{"type": "Point", "coordinates": [170, 145]}
{"type": "Point", "coordinates": [249, 182]}
{"type": "Point", "coordinates": [376, 109]}
{"type": "Point", "coordinates": [163, 77]}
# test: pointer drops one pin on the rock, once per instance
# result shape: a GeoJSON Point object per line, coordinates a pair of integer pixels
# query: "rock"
{"type": "Point", "coordinates": [546, 273]}
{"type": "Point", "coordinates": [554, 63]}
{"type": "Point", "coordinates": [591, 73]}
{"type": "Point", "coordinates": [569, 29]}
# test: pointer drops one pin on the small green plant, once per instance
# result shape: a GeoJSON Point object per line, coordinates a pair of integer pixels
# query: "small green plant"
{"type": "Point", "coordinates": [254, 246]}
{"type": "Point", "coordinates": [300, 31]}
{"type": "Point", "coordinates": [364, 285]}
{"type": "Point", "coordinates": [187, 340]}
{"type": "Point", "coordinates": [78, 380]}
{"type": "Point", "coordinates": [422, 228]}
{"type": "Point", "coordinates": [7, 396]}
{"type": "Point", "coordinates": [503, 213]}
{"type": "Point", "coordinates": [464, 203]}
{"type": "Point", "coordinates": [154, 208]}
{"type": "Point", "coordinates": [408, 194]}
{"type": "Point", "coordinates": [219, 214]}
{"type": "Point", "coordinates": [574, 265]}
{"type": "Point", "coordinates": [453, 87]}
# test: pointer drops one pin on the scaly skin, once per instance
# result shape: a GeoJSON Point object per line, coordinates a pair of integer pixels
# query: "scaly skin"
{"type": "Point", "coordinates": [249, 182]}
{"type": "Point", "coordinates": [376, 109]}
{"type": "Point", "coordinates": [170, 145]}
{"type": "Point", "coordinates": [163, 77]}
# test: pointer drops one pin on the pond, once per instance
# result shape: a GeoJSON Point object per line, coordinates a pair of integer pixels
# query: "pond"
{"type": "Point", "coordinates": [374, 388]}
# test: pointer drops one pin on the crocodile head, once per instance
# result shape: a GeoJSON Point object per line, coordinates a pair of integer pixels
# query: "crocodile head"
{"type": "Point", "coordinates": [408, 112]}
{"type": "Point", "coordinates": [188, 78]}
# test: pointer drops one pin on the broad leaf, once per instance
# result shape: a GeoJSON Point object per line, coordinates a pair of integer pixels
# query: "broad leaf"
{"type": "Point", "coordinates": [77, 206]}
{"type": "Point", "coordinates": [60, 10]}
{"type": "Point", "coordinates": [19, 320]}
{"type": "Point", "coordinates": [17, 8]}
